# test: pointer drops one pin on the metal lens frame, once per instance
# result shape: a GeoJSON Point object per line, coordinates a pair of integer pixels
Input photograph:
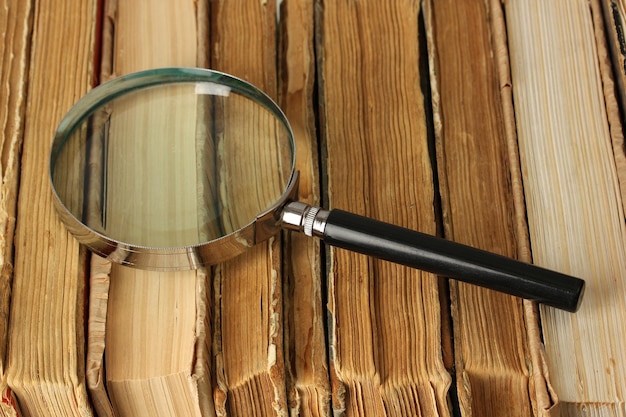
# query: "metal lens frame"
{"type": "Point", "coordinates": [266, 224]}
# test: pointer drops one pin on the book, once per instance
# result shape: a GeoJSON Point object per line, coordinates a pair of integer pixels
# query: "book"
{"type": "Point", "coordinates": [251, 375]}
{"type": "Point", "coordinates": [45, 365]}
{"type": "Point", "coordinates": [538, 389]}
{"type": "Point", "coordinates": [14, 59]}
{"type": "Point", "coordinates": [609, 18]}
{"type": "Point", "coordinates": [385, 320]}
{"type": "Point", "coordinates": [156, 377]}
{"type": "Point", "coordinates": [575, 211]}
{"type": "Point", "coordinates": [155, 324]}
{"type": "Point", "coordinates": [306, 360]}
{"type": "Point", "coordinates": [492, 354]}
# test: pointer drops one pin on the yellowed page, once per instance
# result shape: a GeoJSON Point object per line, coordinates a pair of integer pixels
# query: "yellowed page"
{"type": "Point", "coordinates": [385, 323]}
{"type": "Point", "coordinates": [491, 349]}
{"type": "Point", "coordinates": [46, 357]}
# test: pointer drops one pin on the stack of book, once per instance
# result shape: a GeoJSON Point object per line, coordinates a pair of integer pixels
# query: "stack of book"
{"type": "Point", "coordinates": [497, 125]}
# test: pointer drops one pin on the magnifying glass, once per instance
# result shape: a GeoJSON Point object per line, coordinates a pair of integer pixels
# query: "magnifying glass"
{"type": "Point", "coordinates": [177, 168]}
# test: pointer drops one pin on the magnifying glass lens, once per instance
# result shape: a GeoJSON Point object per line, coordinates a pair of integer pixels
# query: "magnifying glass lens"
{"type": "Point", "coordinates": [173, 164]}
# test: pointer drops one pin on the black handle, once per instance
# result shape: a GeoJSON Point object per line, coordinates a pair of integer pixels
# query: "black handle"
{"type": "Point", "coordinates": [453, 260]}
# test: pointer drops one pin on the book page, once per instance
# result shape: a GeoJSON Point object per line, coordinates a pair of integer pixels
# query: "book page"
{"type": "Point", "coordinates": [46, 355]}
{"type": "Point", "coordinates": [491, 351]}
{"type": "Point", "coordinates": [575, 212]}
{"type": "Point", "coordinates": [156, 349]}
{"type": "Point", "coordinates": [385, 319]}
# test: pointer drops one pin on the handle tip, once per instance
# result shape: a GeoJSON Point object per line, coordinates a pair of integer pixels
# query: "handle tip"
{"type": "Point", "coordinates": [572, 299]}
{"type": "Point", "coordinates": [579, 297]}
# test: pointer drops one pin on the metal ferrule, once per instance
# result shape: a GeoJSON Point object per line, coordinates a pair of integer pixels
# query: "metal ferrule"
{"type": "Point", "coordinates": [304, 218]}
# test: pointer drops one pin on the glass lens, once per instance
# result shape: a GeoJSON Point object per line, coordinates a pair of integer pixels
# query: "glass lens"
{"type": "Point", "coordinates": [170, 164]}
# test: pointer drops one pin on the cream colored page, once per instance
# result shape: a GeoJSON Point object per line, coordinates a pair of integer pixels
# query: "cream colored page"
{"type": "Point", "coordinates": [574, 209]}
{"type": "Point", "coordinates": [151, 331]}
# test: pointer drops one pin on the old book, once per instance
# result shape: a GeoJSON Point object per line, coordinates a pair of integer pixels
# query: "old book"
{"type": "Point", "coordinates": [609, 27]}
{"type": "Point", "coordinates": [491, 352]}
{"type": "Point", "coordinates": [46, 357]}
{"type": "Point", "coordinates": [154, 377]}
{"type": "Point", "coordinates": [538, 389]}
{"type": "Point", "coordinates": [251, 375]}
{"type": "Point", "coordinates": [15, 30]}
{"type": "Point", "coordinates": [575, 212]}
{"type": "Point", "coordinates": [156, 323]}
{"type": "Point", "coordinates": [385, 331]}
{"type": "Point", "coordinates": [305, 342]}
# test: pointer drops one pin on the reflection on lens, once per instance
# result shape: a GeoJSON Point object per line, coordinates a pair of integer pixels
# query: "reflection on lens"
{"type": "Point", "coordinates": [173, 164]}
